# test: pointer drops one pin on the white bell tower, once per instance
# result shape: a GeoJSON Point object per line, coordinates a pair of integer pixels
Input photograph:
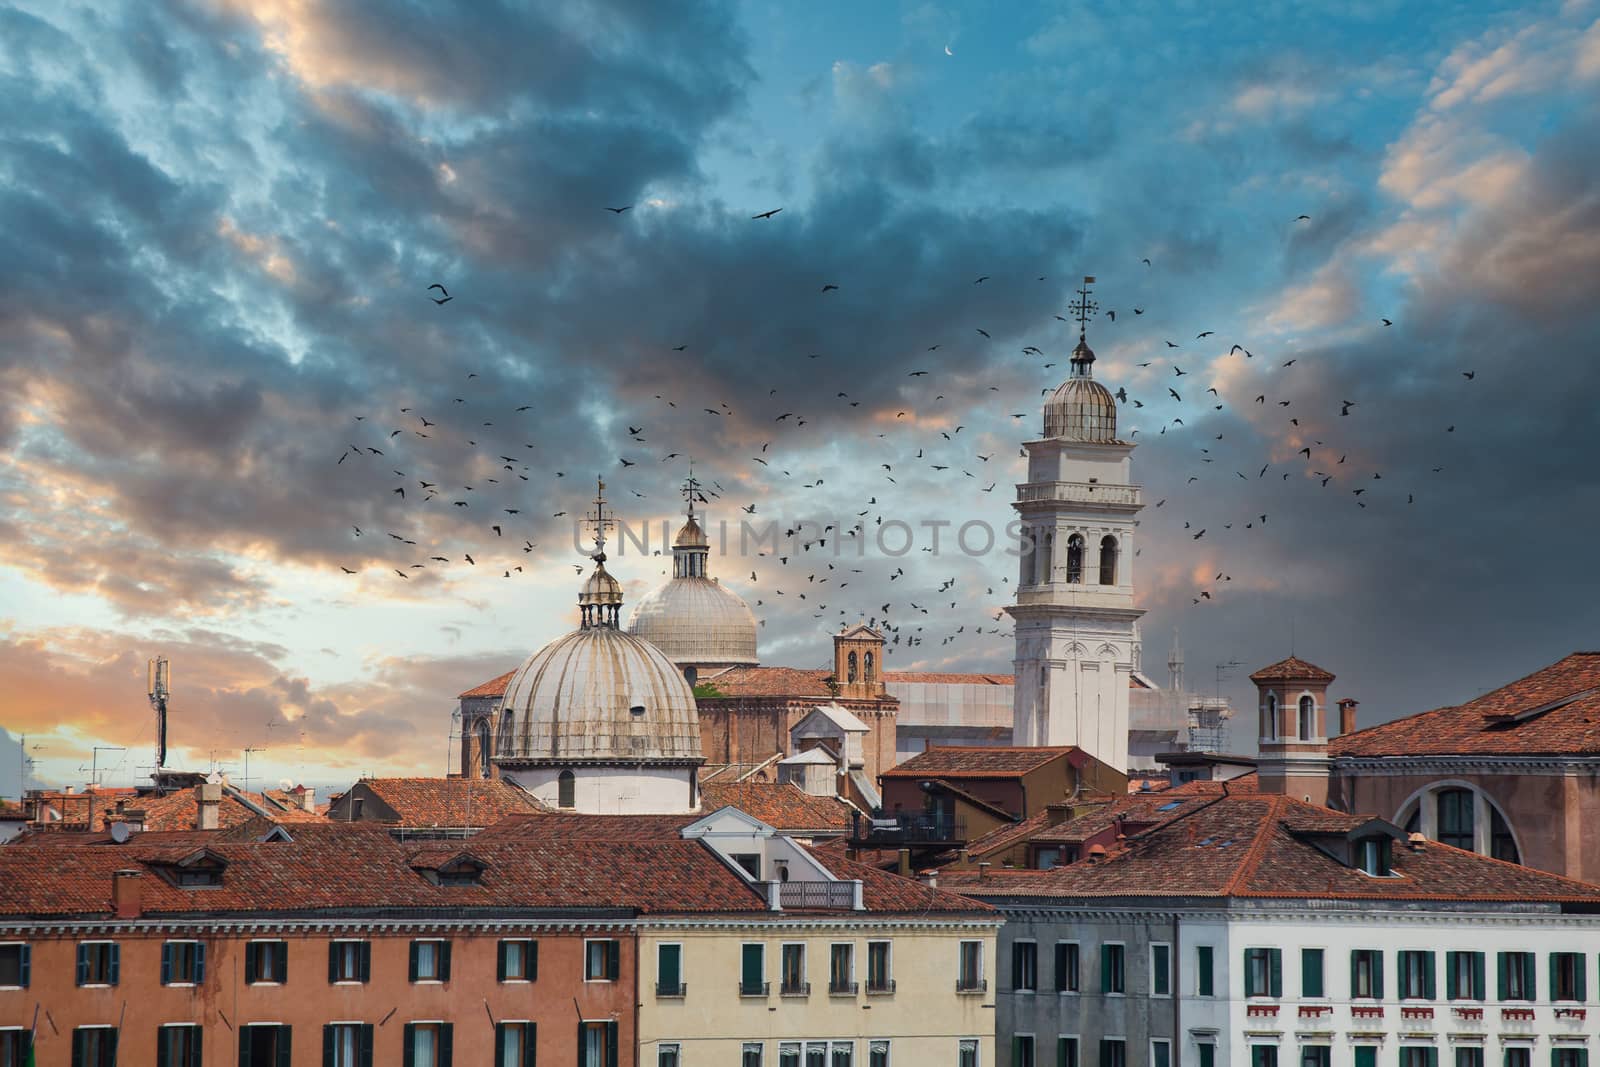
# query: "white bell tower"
{"type": "Point", "coordinates": [1077, 629]}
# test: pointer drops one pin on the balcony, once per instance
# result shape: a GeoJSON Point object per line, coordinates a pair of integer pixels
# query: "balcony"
{"type": "Point", "coordinates": [1315, 1011]}
{"type": "Point", "coordinates": [909, 829]}
{"type": "Point", "coordinates": [843, 989]}
{"type": "Point", "coordinates": [881, 988]}
{"type": "Point", "coordinates": [972, 985]}
{"type": "Point", "coordinates": [1078, 493]}
{"type": "Point", "coordinates": [794, 989]}
{"type": "Point", "coordinates": [754, 989]}
{"type": "Point", "coordinates": [671, 989]}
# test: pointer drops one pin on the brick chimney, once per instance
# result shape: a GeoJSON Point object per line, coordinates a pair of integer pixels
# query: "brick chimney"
{"type": "Point", "coordinates": [126, 893]}
{"type": "Point", "coordinates": [929, 877]}
{"type": "Point", "coordinates": [208, 804]}
{"type": "Point", "coordinates": [1347, 716]}
{"type": "Point", "coordinates": [307, 797]}
{"type": "Point", "coordinates": [903, 867]}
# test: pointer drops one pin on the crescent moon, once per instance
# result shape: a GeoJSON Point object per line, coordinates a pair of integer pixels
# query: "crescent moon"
{"type": "Point", "coordinates": [947, 51]}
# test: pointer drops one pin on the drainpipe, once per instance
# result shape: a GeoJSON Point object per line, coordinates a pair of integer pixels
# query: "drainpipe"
{"type": "Point", "coordinates": [1179, 1043]}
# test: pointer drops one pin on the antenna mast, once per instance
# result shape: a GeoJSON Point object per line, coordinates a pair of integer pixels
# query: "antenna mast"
{"type": "Point", "coordinates": [159, 690]}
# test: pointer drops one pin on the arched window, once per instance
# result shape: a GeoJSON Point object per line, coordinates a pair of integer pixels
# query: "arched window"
{"type": "Point", "coordinates": [508, 721]}
{"type": "Point", "coordinates": [1456, 818]}
{"type": "Point", "coordinates": [1045, 558]}
{"type": "Point", "coordinates": [1308, 717]}
{"type": "Point", "coordinates": [483, 746]}
{"type": "Point", "coordinates": [1502, 846]}
{"type": "Point", "coordinates": [1108, 560]}
{"type": "Point", "coordinates": [566, 790]}
{"type": "Point", "coordinates": [1269, 718]}
{"type": "Point", "coordinates": [1075, 558]}
{"type": "Point", "coordinates": [850, 668]}
{"type": "Point", "coordinates": [866, 673]}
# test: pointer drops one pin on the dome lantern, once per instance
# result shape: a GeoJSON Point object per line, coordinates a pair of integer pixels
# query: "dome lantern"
{"type": "Point", "coordinates": [1082, 409]}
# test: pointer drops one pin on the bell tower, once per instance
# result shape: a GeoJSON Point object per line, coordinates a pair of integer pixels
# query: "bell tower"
{"type": "Point", "coordinates": [1293, 733]}
{"type": "Point", "coordinates": [1077, 629]}
{"type": "Point", "coordinates": [858, 663]}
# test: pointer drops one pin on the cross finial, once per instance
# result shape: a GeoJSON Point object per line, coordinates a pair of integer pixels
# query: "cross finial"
{"type": "Point", "coordinates": [691, 489]}
{"type": "Point", "coordinates": [1084, 308]}
{"type": "Point", "coordinates": [600, 521]}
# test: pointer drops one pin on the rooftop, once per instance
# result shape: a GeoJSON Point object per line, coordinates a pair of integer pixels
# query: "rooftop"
{"type": "Point", "coordinates": [1292, 669]}
{"type": "Point", "coordinates": [981, 762]}
{"type": "Point", "coordinates": [782, 805]}
{"type": "Point", "coordinates": [430, 802]}
{"type": "Point", "coordinates": [494, 687]}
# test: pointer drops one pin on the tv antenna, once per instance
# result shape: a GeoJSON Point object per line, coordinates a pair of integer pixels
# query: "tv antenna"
{"type": "Point", "coordinates": [159, 672]}
{"type": "Point", "coordinates": [247, 767]}
{"type": "Point", "coordinates": [1225, 669]}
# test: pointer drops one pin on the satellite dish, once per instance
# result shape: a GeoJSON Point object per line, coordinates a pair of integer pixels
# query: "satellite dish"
{"type": "Point", "coordinates": [120, 832]}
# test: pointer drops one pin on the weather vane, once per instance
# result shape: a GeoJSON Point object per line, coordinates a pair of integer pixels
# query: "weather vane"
{"type": "Point", "coordinates": [599, 521]}
{"type": "Point", "coordinates": [1084, 308]}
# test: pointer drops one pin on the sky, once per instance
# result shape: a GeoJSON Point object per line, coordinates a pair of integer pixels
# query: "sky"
{"type": "Point", "coordinates": [221, 358]}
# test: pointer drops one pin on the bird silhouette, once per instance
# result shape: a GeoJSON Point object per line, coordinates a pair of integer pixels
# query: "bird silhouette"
{"type": "Point", "coordinates": [440, 300]}
{"type": "Point", "coordinates": [767, 214]}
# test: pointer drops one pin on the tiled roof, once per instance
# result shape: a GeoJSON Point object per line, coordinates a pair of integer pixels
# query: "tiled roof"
{"type": "Point", "coordinates": [431, 802]}
{"type": "Point", "coordinates": [783, 805]}
{"type": "Point", "coordinates": [1251, 846]}
{"type": "Point", "coordinates": [1292, 669]}
{"type": "Point", "coordinates": [1553, 711]}
{"type": "Point", "coordinates": [882, 891]}
{"type": "Point", "coordinates": [494, 687]}
{"type": "Point", "coordinates": [957, 761]}
{"type": "Point", "coordinates": [180, 810]}
{"type": "Point", "coordinates": [772, 682]}
{"type": "Point", "coordinates": [945, 678]}
{"type": "Point", "coordinates": [9, 810]}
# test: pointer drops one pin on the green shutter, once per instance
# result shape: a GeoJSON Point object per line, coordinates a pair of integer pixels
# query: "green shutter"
{"type": "Point", "coordinates": [166, 964]}
{"type": "Point", "coordinates": [444, 961]}
{"type": "Point", "coordinates": [447, 1040]}
{"type": "Point", "coordinates": [1105, 974]}
{"type": "Point", "coordinates": [580, 1046]}
{"type": "Point", "coordinates": [1355, 955]}
{"type": "Point", "coordinates": [1555, 968]}
{"type": "Point", "coordinates": [1204, 979]}
{"type": "Point", "coordinates": [163, 1053]}
{"type": "Point", "coordinates": [1105, 1053]}
{"type": "Point", "coordinates": [281, 950]}
{"type": "Point", "coordinates": [366, 1041]}
{"type": "Point", "coordinates": [410, 1057]}
{"type": "Point", "coordinates": [1377, 973]}
{"type": "Point", "coordinates": [1066, 1052]}
{"type": "Point", "coordinates": [116, 963]}
{"type": "Point", "coordinates": [1016, 966]}
{"type": "Point", "coordinates": [1366, 1056]}
{"type": "Point", "coordinates": [1581, 964]}
{"type": "Point", "coordinates": [1478, 981]}
{"type": "Point", "coordinates": [531, 960]}
{"type": "Point", "coordinates": [499, 1042]}
{"type": "Point", "coordinates": [413, 967]}
{"type": "Point", "coordinates": [752, 968]}
{"type": "Point", "coordinates": [499, 976]}
{"type": "Point", "coordinates": [1529, 973]}
{"type": "Point", "coordinates": [1429, 987]}
{"type": "Point", "coordinates": [1208, 1055]}
{"type": "Point", "coordinates": [613, 960]}
{"type": "Point", "coordinates": [366, 961]}
{"type": "Point", "coordinates": [27, 965]}
{"type": "Point", "coordinates": [668, 966]}
{"type": "Point", "coordinates": [327, 1046]}
{"type": "Point", "coordinates": [1502, 975]}
{"type": "Point", "coordinates": [251, 967]}
{"type": "Point", "coordinates": [199, 962]}
{"type": "Point", "coordinates": [611, 1045]}
{"type": "Point", "coordinates": [1061, 967]}
{"type": "Point", "coordinates": [1452, 988]}
{"type": "Point", "coordinates": [284, 1059]}
{"type": "Point", "coordinates": [1275, 971]}
{"type": "Point", "coordinates": [333, 961]}
{"type": "Point", "coordinates": [244, 1047]}
{"type": "Point", "coordinates": [1016, 1051]}
{"type": "Point", "coordinates": [1311, 972]}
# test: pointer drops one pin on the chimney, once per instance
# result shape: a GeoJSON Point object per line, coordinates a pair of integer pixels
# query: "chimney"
{"type": "Point", "coordinates": [929, 877]}
{"type": "Point", "coordinates": [308, 798]}
{"type": "Point", "coordinates": [208, 802]}
{"type": "Point", "coordinates": [1097, 853]}
{"type": "Point", "coordinates": [1416, 842]}
{"type": "Point", "coordinates": [125, 894]}
{"type": "Point", "coordinates": [905, 863]}
{"type": "Point", "coordinates": [983, 871]}
{"type": "Point", "coordinates": [1347, 716]}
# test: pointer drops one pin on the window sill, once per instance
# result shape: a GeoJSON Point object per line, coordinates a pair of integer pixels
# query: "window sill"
{"type": "Point", "coordinates": [97, 985]}
{"type": "Point", "coordinates": [427, 981]}
{"type": "Point", "coordinates": [599, 981]}
{"type": "Point", "coordinates": [881, 991]}
{"type": "Point", "coordinates": [1068, 992]}
{"type": "Point", "coordinates": [269, 984]}
{"type": "Point", "coordinates": [516, 981]}
{"type": "Point", "coordinates": [348, 981]}
{"type": "Point", "coordinates": [180, 985]}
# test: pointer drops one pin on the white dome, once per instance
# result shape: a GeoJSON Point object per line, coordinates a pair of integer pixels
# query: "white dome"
{"type": "Point", "coordinates": [696, 622]}
{"type": "Point", "coordinates": [599, 695]}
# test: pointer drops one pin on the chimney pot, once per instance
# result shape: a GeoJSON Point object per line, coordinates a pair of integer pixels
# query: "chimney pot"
{"type": "Point", "coordinates": [983, 871]}
{"type": "Point", "coordinates": [308, 798]}
{"type": "Point", "coordinates": [126, 893]}
{"type": "Point", "coordinates": [1347, 716]}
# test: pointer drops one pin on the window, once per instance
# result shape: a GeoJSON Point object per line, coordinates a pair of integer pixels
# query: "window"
{"type": "Point", "coordinates": [16, 1047]}
{"type": "Point", "coordinates": [1160, 970]}
{"type": "Point", "coordinates": [484, 765]}
{"type": "Point", "coordinates": [1569, 1057]}
{"type": "Point", "coordinates": [1416, 975]}
{"type": "Point", "coordinates": [266, 962]}
{"type": "Point", "coordinates": [850, 668]}
{"type": "Point", "coordinates": [566, 790]}
{"type": "Point", "coordinates": [969, 979]}
{"type": "Point", "coordinates": [1113, 968]}
{"type": "Point", "coordinates": [1208, 1054]}
{"type": "Point", "coordinates": [966, 1053]}
{"type": "Point", "coordinates": [1316, 1056]}
{"type": "Point", "coordinates": [349, 961]}
{"type": "Point", "coordinates": [98, 962]}
{"type": "Point", "coordinates": [753, 970]}
{"type": "Point", "coordinates": [666, 1055]}
{"type": "Point", "coordinates": [843, 1053]}
{"type": "Point", "coordinates": [1455, 819]}
{"type": "Point", "coordinates": [94, 1046]}
{"type": "Point", "coordinates": [842, 969]}
{"type": "Point", "coordinates": [1075, 558]}
{"type": "Point", "coordinates": [597, 1044]}
{"type": "Point", "coordinates": [1263, 972]}
{"type": "Point", "coordinates": [880, 978]}
{"type": "Point", "coordinates": [428, 1044]}
{"type": "Point", "coordinates": [517, 960]}
{"type": "Point", "coordinates": [1469, 1057]}
{"type": "Point", "coordinates": [349, 1044]}
{"type": "Point", "coordinates": [669, 970]}
{"type": "Point", "coordinates": [430, 961]}
{"type": "Point", "coordinates": [1311, 984]}
{"type": "Point", "coordinates": [1463, 975]}
{"type": "Point", "coordinates": [1113, 1052]}
{"type": "Point", "coordinates": [750, 1055]}
{"type": "Point", "coordinates": [183, 963]}
{"type": "Point", "coordinates": [866, 667]}
{"type": "Point", "coordinates": [789, 1054]}
{"type": "Point", "coordinates": [1418, 1056]}
{"type": "Point", "coordinates": [602, 960]}
{"type": "Point", "coordinates": [267, 1045]}
{"type": "Point", "coordinates": [15, 965]}
{"type": "Point", "coordinates": [177, 1045]}
{"type": "Point", "coordinates": [1515, 976]}
{"type": "Point", "coordinates": [1366, 1055]}
{"type": "Point", "coordinates": [1366, 974]}
{"type": "Point", "coordinates": [1025, 966]}
{"type": "Point", "coordinates": [1502, 846]}
{"type": "Point", "coordinates": [792, 971]}
{"type": "Point", "coordinates": [878, 1054]}
{"type": "Point", "coordinates": [749, 862]}
{"type": "Point", "coordinates": [1567, 977]}
{"type": "Point", "coordinates": [1066, 967]}
{"type": "Point", "coordinates": [514, 1044]}
{"type": "Point", "coordinates": [1204, 973]}
{"type": "Point", "coordinates": [1067, 1052]}
{"type": "Point", "coordinates": [1045, 560]}
{"type": "Point", "coordinates": [1269, 718]}
{"type": "Point", "coordinates": [1108, 560]}
{"type": "Point", "coordinates": [1373, 856]}
{"type": "Point", "coordinates": [1519, 1057]}
{"type": "Point", "coordinates": [1263, 1056]}
{"type": "Point", "coordinates": [1160, 1053]}
{"type": "Point", "coordinates": [1308, 717]}
{"type": "Point", "coordinates": [1022, 1051]}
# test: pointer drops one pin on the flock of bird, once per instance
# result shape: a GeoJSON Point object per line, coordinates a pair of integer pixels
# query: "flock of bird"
{"type": "Point", "coordinates": [816, 561]}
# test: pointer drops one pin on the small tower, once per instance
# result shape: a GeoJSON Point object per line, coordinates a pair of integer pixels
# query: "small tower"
{"type": "Point", "coordinates": [1293, 733]}
{"type": "Point", "coordinates": [858, 663]}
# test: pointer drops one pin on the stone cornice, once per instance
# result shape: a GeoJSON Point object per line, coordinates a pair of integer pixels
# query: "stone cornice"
{"type": "Point", "coordinates": [1573, 766]}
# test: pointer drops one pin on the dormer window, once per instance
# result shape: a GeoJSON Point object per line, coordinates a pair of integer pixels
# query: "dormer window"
{"type": "Point", "coordinates": [1372, 856]}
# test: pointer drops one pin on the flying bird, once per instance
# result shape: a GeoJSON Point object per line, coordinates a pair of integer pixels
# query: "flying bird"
{"type": "Point", "coordinates": [767, 214]}
{"type": "Point", "coordinates": [440, 300]}
{"type": "Point", "coordinates": [619, 210]}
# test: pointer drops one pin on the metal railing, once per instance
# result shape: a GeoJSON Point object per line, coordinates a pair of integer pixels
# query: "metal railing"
{"type": "Point", "coordinates": [673, 989]}
{"type": "Point", "coordinates": [794, 989]}
{"type": "Point", "coordinates": [843, 989]}
{"type": "Point", "coordinates": [885, 985]}
{"type": "Point", "coordinates": [817, 894]}
{"type": "Point", "coordinates": [912, 828]}
{"type": "Point", "coordinates": [1078, 493]}
{"type": "Point", "coordinates": [754, 989]}
{"type": "Point", "coordinates": [978, 985]}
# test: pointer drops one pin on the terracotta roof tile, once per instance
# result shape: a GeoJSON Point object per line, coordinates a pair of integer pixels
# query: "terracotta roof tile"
{"type": "Point", "coordinates": [956, 761]}
{"type": "Point", "coordinates": [432, 802]}
{"type": "Point", "coordinates": [1553, 711]}
{"type": "Point", "coordinates": [494, 687]}
{"type": "Point", "coordinates": [1292, 669]}
{"type": "Point", "coordinates": [946, 678]}
{"type": "Point", "coordinates": [773, 682]}
{"type": "Point", "coordinates": [783, 805]}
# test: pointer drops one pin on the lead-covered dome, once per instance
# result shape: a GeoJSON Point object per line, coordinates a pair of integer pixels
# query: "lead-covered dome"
{"type": "Point", "coordinates": [697, 623]}
{"type": "Point", "coordinates": [1081, 409]}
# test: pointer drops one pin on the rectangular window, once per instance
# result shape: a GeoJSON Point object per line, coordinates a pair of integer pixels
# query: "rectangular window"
{"type": "Point", "coordinates": [517, 960]}
{"type": "Point", "coordinates": [1067, 967]}
{"type": "Point", "coordinates": [177, 1045]}
{"type": "Point", "coordinates": [1568, 977]}
{"type": "Point", "coordinates": [94, 1046]}
{"type": "Point", "coordinates": [842, 969]}
{"type": "Point", "coordinates": [666, 1055]}
{"type": "Point", "coordinates": [428, 1044]}
{"type": "Point", "coordinates": [789, 1054]}
{"type": "Point", "coordinates": [265, 1045]}
{"type": "Point", "coordinates": [1469, 1057]}
{"type": "Point", "coordinates": [266, 962]}
{"type": "Point", "coordinates": [1263, 1056]}
{"type": "Point", "coordinates": [98, 962]}
{"type": "Point", "coordinates": [349, 1045]}
{"type": "Point", "coordinates": [1208, 1054]}
{"type": "Point", "coordinates": [1204, 973]}
{"type": "Point", "coordinates": [1569, 1057]}
{"type": "Point", "coordinates": [15, 959]}
{"type": "Point", "coordinates": [1311, 984]}
{"type": "Point", "coordinates": [669, 970]}
{"type": "Point", "coordinates": [1024, 966]}
{"type": "Point", "coordinates": [1515, 976]}
{"type": "Point", "coordinates": [349, 961]}
{"type": "Point", "coordinates": [750, 1055]}
{"type": "Point", "coordinates": [1416, 975]}
{"type": "Point", "coordinates": [1113, 1052]}
{"type": "Point", "coordinates": [1022, 1051]}
{"type": "Point", "coordinates": [1067, 1052]}
{"type": "Point", "coordinates": [792, 971]}
{"type": "Point", "coordinates": [1464, 975]}
{"type": "Point", "coordinates": [1160, 1053]}
{"type": "Point", "coordinates": [183, 963]}
{"type": "Point", "coordinates": [878, 1054]}
{"type": "Point", "coordinates": [16, 1047]}
{"type": "Point", "coordinates": [1366, 974]}
{"type": "Point", "coordinates": [1418, 1056]}
{"type": "Point", "coordinates": [967, 1052]}
{"type": "Point", "coordinates": [843, 1053]}
{"type": "Point", "coordinates": [1316, 1056]}
{"type": "Point", "coordinates": [602, 960]}
{"type": "Point", "coordinates": [1263, 972]}
{"type": "Point", "coordinates": [514, 1044]}
{"type": "Point", "coordinates": [753, 970]}
{"type": "Point", "coordinates": [1519, 1057]}
{"type": "Point", "coordinates": [430, 960]}
{"type": "Point", "coordinates": [969, 979]}
{"type": "Point", "coordinates": [880, 977]}
{"type": "Point", "coordinates": [597, 1044]}
{"type": "Point", "coordinates": [1366, 1055]}
{"type": "Point", "coordinates": [1160, 970]}
{"type": "Point", "coordinates": [1113, 968]}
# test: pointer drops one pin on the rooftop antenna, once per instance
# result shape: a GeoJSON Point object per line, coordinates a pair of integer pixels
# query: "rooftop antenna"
{"type": "Point", "coordinates": [247, 767]}
{"type": "Point", "coordinates": [1226, 668]}
{"type": "Point", "coordinates": [159, 690]}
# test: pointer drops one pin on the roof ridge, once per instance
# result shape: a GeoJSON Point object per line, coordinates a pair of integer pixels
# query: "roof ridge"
{"type": "Point", "coordinates": [1258, 847]}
